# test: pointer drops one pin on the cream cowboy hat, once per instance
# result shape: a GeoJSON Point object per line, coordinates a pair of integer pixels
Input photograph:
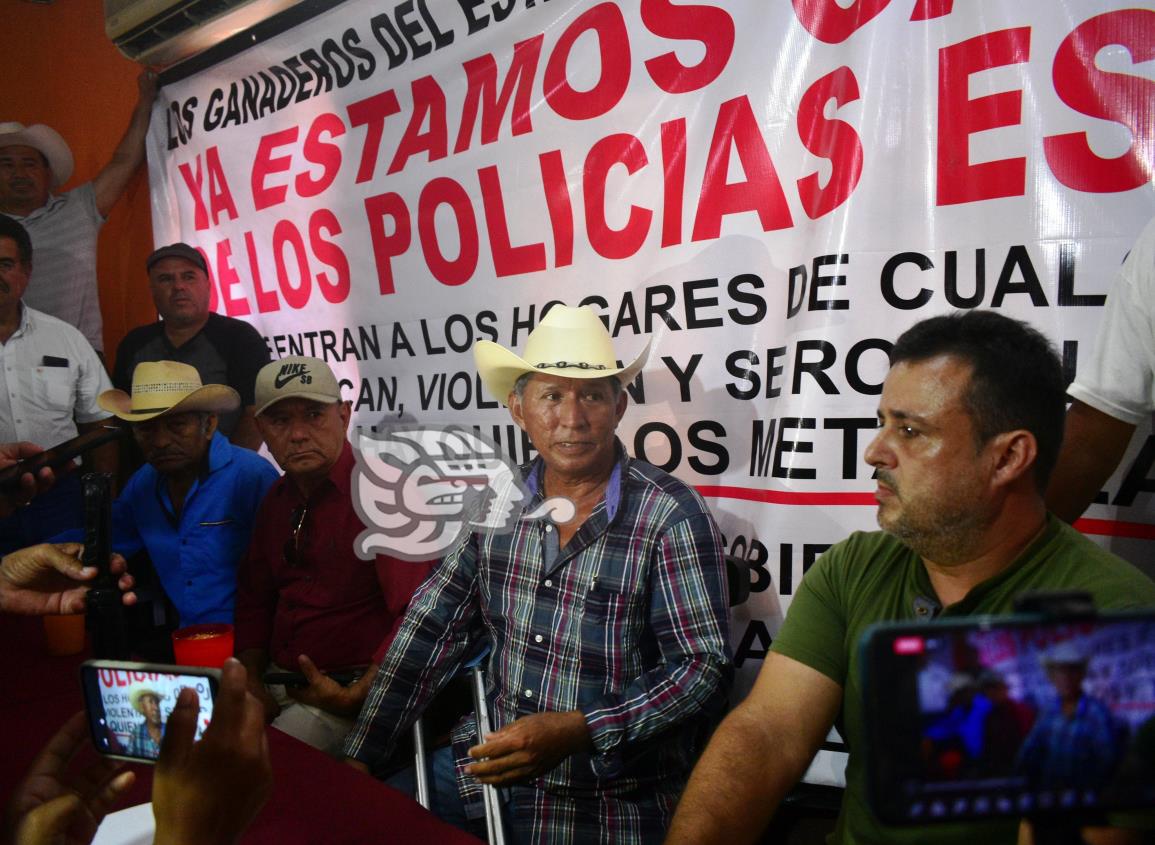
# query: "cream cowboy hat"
{"type": "Point", "coordinates": [137, 694]}
{"type": "Point", "coordinates": [570, 342]}
{"type": "Point", "coordinates": [45, 139]}
{"type": "Point", "coordinates": [161, 387]}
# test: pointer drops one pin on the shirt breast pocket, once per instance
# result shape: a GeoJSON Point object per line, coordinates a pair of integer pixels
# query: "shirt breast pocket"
{"type": "Point", "coordinates": [610, 624]}
{"type": "Point", "coordinates": [609, 603]}
{"type": "Point", "coordinates": [53, 387]}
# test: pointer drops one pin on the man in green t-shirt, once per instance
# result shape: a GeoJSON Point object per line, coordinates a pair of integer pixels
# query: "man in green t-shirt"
{"type": "Point", "coordinates": [971, 418]}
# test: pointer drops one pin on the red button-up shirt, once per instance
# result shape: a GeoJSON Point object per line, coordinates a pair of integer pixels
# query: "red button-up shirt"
{"type": "Point", "coordinates": [319, 599]}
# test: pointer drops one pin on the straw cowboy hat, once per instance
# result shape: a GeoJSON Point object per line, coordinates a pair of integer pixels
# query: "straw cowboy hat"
{"type": "Point", "coordinates": [161, 387]}
{"type": "Point", "coordinates": [570, 342]}
{"type": "Point", "coordinates": [45, 139]}
{"type": "Point", "coordinates": [137, 694]}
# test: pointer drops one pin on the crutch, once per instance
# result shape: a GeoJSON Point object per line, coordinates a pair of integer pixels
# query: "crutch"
{"type": "Point", "coordinates": [491, 801]}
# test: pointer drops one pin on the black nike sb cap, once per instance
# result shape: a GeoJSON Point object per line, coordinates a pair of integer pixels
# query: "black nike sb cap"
{"type": "Point", "coordinates": [296, 377]}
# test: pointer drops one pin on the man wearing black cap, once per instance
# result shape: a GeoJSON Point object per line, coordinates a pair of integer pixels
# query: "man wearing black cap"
{"type": "Point", "coordinates": [223, 350]}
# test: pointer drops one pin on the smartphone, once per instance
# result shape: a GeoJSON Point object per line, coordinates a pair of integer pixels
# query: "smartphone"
{"type": "Point", "coordinates": [1009, 716]}
{"type": "Point", "coordinates": [58, 456]}
{"type": "Point", "coordinates": [344, 677]}
{"type": "Point", "coordinates": [128, 704]}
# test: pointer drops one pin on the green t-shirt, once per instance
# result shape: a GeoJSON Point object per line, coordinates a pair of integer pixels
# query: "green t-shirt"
{"type": "Point", "coordinates": [872, 577]}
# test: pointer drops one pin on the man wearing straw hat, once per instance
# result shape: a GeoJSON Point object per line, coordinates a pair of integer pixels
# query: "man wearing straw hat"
{"type": "Point", "coordinates": [609, 631]}
{"type": "Point", "coordinates": [144, 741]}
{"type": "Point", "coordinates": [35, 160]}
{"type": "Point", "coordinates": [193, 505]}
{"type": "Point", "coordinates": [1076, 741]}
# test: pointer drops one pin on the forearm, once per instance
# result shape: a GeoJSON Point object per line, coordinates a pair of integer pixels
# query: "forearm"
{"type": "Point", "coordinates": [1093, 445]}
{"type": "Point", "coordinates": [129, 154]}
{"type": "Point", "coordinates": [738, 783]}
{"type": "Point", "coordinates": [659, 699]}
{"type": "Point", "coordinates": [395, 697]}
{"type": "Point", "coordinates": [430, 644]}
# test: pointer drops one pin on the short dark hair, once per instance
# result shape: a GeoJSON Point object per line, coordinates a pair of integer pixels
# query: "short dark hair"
{"type": "Point", "coordinates": [1016, 377]}
{"type": "Point", "coordinates": [10, 228]}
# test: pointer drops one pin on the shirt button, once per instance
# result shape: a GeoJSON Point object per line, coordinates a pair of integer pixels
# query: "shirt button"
{"type": "Point", "coordinates": [188, 583]}
{"type": "Point", "coordinates": [548, 582]}
{"type": "Point", "coordinates": [538, 638]}
{"type": "Point", "coordinates": [548, 528]}
{"type": "Point", "coordinates": [529, 693]}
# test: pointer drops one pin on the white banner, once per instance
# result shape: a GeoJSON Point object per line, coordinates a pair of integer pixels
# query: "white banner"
{"type": "Point", "coordinates": [774, 191]}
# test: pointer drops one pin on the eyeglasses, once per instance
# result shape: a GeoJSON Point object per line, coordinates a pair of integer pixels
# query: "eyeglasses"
{"type": "Point", "coordinates": [292, 549]}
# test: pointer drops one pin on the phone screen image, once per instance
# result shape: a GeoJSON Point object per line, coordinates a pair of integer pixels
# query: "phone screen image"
{"type": "Point", "coordinates": [129, 704]}
{"type": "Point", "coordinates": [1013, 717]}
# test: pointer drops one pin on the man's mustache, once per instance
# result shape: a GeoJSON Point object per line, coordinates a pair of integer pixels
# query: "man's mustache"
{"type": "Point", "coordinates": [166, 453]}
{"type": "Point", "coordinates": [887, 479]}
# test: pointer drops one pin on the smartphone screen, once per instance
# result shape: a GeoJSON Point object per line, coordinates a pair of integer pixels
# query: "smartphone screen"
{"type": "Point", "coordinates": [128, 704]}
{"type": "Point", "coordinates": [1016, 716]}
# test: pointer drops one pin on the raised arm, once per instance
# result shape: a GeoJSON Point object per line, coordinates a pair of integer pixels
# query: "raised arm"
{"type": "Point", "coordinates": [757, 754]}
{"type": "Point", "coordinates": [128, 156]}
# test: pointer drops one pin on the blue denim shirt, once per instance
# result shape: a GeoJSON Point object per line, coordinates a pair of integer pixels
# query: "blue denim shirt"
{"type": "Point", "coordinates": [195, 555]}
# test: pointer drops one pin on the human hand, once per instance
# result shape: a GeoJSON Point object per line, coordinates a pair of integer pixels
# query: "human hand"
{"type": "Point", "coordinates": [146, 86]}
{"type": "Point", "coordinates": [528, 747]}
{"type": "Point", "coordinates": [327, 694]}
{"type": "Point", "coordinates": [51, 806]}
{"type": "Point", "coordinates": [269, 705]}
{"type": "Point", "coordinates": [30, 485]}
{"type": "Point", "coordinates": [209, 791]}
{"type": "Point", "coordinates": [49, 579]}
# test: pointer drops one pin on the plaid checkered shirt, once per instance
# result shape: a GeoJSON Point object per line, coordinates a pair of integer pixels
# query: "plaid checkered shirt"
{"type": "Point", "coordinates": [629, 623]}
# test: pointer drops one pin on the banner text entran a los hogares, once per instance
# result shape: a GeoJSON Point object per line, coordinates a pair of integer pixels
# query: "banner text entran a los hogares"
{"type": "Point", "coordinates": [362, 142]}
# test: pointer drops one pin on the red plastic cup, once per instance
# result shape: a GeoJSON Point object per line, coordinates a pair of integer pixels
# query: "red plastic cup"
{"type": "Point", "coordinates": [203, 645]}
{"type": "Point", "coordinates": [64, 635]}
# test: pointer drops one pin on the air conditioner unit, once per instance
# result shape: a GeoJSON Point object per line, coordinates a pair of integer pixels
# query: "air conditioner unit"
{"type": "Point", "coordinates": [162, 32]}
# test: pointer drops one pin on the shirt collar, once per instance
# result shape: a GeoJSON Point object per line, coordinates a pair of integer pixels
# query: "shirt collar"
{"type": "Point", "coordinates": [25, 320]}
{"type": "Point", "coordinates": [220, 453]}
{"type": "Point", "coordinates": [977, 593]}
{"type": "Point", "coordinates": [53, 201]}
{"type": "Point", "coordinates": [615, 488]}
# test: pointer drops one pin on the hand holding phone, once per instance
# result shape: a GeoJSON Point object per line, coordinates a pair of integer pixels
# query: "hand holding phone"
{"type": "Point", "coordinates": [49, 579]}
{"type": "Point", "coordinates": [18, 460]}
{"type": "Point", "coordinates": [210, 791]}
{"type": "Point", "coordinates": [52, 803]}
{"type": "Point", "coordinates": [129, 704]}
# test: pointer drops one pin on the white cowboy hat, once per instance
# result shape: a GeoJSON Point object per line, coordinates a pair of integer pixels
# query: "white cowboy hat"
{"type": "Point", "coordinates": [45, 139]}
{"type": "Point", "coordinates": [570, 342]}
{"type": "Point", "coordinates": [161, 387]}
{"type": "Point", "coordinates": [137, 694]}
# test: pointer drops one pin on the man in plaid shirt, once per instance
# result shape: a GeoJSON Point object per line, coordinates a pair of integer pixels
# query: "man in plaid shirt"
{"type": "Point", "coordinates": [610, 661]}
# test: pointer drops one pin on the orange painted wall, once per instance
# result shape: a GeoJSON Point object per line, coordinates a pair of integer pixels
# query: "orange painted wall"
{"type": "Point", "coordinates": [60, 69]}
